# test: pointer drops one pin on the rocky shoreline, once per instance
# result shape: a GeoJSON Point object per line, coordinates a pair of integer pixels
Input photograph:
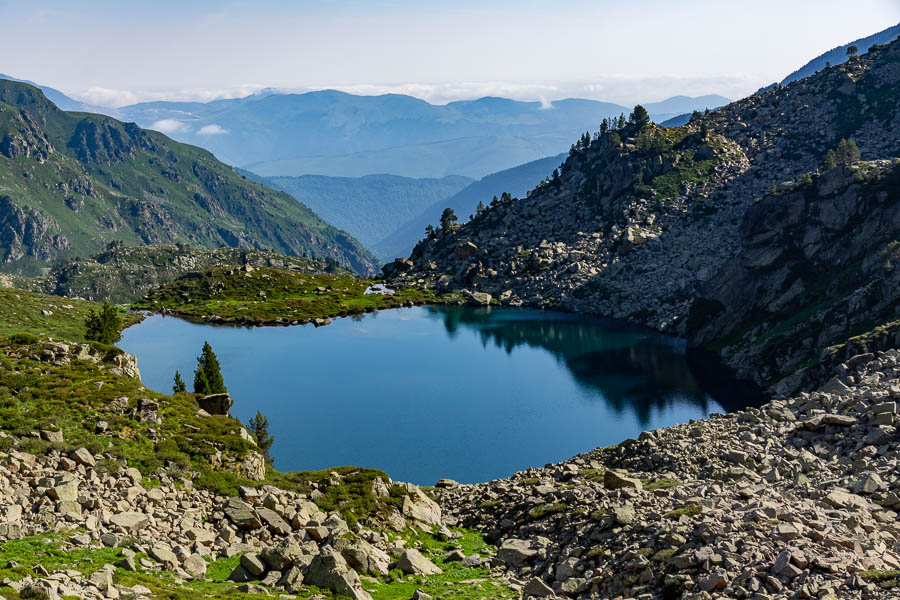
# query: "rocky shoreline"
{"type": "Point", "coordinates": [795, 499]}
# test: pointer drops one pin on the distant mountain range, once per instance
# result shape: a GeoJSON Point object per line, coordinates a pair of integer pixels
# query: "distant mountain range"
{"type": "Point", "coordinates": [516, 181]}
{"type": "Point", "coordinates": [338, 134]}
{"type": "Point", "coordinates": [838, 55]}
{"type": "Point", "coordinates": [70, 183]}
{"type": "Point", "coordinates": [371, 207]}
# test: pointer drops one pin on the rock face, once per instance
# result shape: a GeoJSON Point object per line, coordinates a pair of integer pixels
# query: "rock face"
{"type": "Point", "coordinates": [753, 504]}
{"type": "Point", "coordinates": [672, 228]}
{"type": "Point", "coordinates": [825, 249]}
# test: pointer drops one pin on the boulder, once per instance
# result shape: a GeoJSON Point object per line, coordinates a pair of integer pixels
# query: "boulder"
{"type": "Point", "coordinates": [329, 570]}
{"type": "Point", "coordinates": [418, 506]}
{"type": "Point", "coordinates": [241, 514]}
{"type": "Point", "coordinates": [615, 479]}
{"type": "Point", "coordinates": [195, 566]}
{"type": "Point", "coordinates": [130, 521]}
{"type": "Point", "coordinates": [82, 456]}
{"type": "Point", "coordinates": [215, 404]}
{"type": "Point", "coordinates": [412, 562]}
{"type": "Point", "coordinates": [516, 552]}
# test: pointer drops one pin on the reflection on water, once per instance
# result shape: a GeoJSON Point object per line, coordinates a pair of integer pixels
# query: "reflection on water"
{"type": "Point", "coordinates": [432, 392]}
{"type": "Point", "coordinates": [629, 368]}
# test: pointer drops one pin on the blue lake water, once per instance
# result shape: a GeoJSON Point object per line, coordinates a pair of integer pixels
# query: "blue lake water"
{"type": "Point", "coordinates": [430, 392]}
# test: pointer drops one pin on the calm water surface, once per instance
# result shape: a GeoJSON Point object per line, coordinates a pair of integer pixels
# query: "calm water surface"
{"type": "Point", "coordinates": [430, 392]}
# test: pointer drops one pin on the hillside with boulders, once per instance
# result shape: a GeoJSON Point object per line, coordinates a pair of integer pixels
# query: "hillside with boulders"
{"type": "Point", "coordinates": [643, 222]}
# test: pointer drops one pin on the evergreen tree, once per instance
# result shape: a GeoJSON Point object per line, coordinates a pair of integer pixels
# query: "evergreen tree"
{"type": "Point", "coordinates": [604, 126]}
{"type": "Point", "coordinates": [830, 160]}
{"type": "Point", "coordinates": [103, 326]}
{"type": "Point", "coordinates": [479, 209]}
{"type": "Point", "coordinates": [640, 117]}
{"type": "Point", "coordinates": [852, 51]}
{"type": "Point", "coordinates": [208, 376]}
{"type": "Point", "coordinates": [259, 425]}
{"type": "Point", "coordinates": [494, 201]}
{"type": "Point", "coordinates": [505, 197]}
{"type": "Point", "coordinates": [704, 130]}
{"type": "Point", "coordinates": [448, 219]}
{"type": "Point", "coordinates": [429, 230]}
{"type": "Point", "coordinates": [847, 153]}
{"type": "Point", "coordinates": [555, 176]}
{"type": "Point", "coordinates": [622, 121]}
{"type": "Point", "coordinates": [178, 387]}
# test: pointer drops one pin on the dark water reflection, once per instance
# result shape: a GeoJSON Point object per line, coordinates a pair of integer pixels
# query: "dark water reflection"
{"type": "Point", "coordinates": [431, 392]}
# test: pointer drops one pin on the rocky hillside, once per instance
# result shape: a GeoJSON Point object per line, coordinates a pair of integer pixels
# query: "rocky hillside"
{"type": "Point", "coordinates": [124, 274]}
{"type": "Point", "coordinates": [642, 218]}
{"type": "Point", "coordinates": [71, 182]}
{"type": "Point", "coordinates": [816, 267]}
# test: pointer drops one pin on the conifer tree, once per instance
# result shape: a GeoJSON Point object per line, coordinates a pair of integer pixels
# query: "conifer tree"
{"type": "Point", "coordinates": [852, 51]}
{"type": "Point", "coordinates": [604, 126]}
{"type": "Point", "coordinates": [208, 376]}
{"type": "Point", "coordinates": [640, 117]}
{"type": "Point", "coordinates": [178, 387]}
{"type": "Point", "coordinates": [448, 219]}
{"type": "Point", "coordinates": [103, 326]}
{"type": "Point", "coordinates": [259, 425]}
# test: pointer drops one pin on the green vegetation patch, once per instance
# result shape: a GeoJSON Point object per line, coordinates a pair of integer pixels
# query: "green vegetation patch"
{"type": "Point", "coordinates": [41, 315]}
{"type": "Point", "coordinates": [887, 580]}
{"type": "Point", "coordinates": [269, 295]}
{"type": "Point", "coordinates": [688, 511]}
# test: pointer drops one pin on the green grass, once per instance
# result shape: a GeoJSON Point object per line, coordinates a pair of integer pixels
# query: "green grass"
{"type": "Point", "coordinates": [455, 583]}
{"type": "Point", "coordinates": [887, 580]}
{"type": "Point", "coordinates": [659, 484]}
{"type": "Point", "coordinates": [351, 496]}
{"type": "Point", "coordinates": [268, 295]}
{"type": "Point", "coordinates": [24, 312]}
{"type": "Point", "coordinates": [688, 511]}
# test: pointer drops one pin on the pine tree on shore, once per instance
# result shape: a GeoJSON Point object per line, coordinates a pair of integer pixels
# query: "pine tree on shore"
{"type": "Point", "coordinates": [178, 387]}
{"type": "Point", "coordinates": [208, 376]}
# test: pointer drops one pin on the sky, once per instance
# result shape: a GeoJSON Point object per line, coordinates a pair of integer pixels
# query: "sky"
{"type": "Point", "coordinates": [119, 52]}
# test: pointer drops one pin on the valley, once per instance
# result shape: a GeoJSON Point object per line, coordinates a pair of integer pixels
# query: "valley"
{"type": "Point", "coordinates": [404, 350]}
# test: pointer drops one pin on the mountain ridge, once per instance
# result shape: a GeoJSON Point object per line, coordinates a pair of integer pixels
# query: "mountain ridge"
{"type": "Point", "coordinates": [72, 182]}
{"type": "Point", "coordinates": [642, 218]}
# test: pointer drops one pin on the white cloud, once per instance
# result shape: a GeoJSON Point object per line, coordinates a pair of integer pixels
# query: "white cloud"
{"type": "Point", "coordinates": [169, 126]}
{"type": "Point", "coordinates": [113, 98]}
{"type": "Point", "coordinates": [99, 96]}
{"type": "Point", "coordinates": [212, 130]}
{"type": "Point", "coordinates": [545, 104]}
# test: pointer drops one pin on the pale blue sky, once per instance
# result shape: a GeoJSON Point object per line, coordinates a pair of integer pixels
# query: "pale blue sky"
{"type": "Point", "coordinates": [116, 52]}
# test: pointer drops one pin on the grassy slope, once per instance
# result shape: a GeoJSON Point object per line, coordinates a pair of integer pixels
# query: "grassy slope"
{"type": "Point", "coordinates": [145, 188]}
{"type": "Point", "coordinates": [268, 294]}
{"type": "Point", "coordinates": [36, 395]}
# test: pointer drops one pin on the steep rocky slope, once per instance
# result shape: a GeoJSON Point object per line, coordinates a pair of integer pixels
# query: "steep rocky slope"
{"type": "Point", "coordinates": [71, 182]}
{"type": "Point", "coordinates": [643, 217]}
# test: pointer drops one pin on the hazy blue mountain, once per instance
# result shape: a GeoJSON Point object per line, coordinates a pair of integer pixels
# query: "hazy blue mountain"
{"type": "Point", "coordinates": [338, 134]}
{"type": "Point", "coordinates": [838, 55]}
{"type": "Point", "coordinates": [517, 181]}
{"type": "Point", "coordinates": [55, 96]}
{"type": "Point", "coordinates": [677, 121]}
{"type": "Point", "coordinates": [372, 207]}
{"type": "Point", "coordinates": [677, 106]}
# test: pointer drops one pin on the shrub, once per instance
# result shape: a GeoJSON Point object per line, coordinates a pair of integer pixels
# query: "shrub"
{"type": "Point", "coordinates": [23, 339]}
